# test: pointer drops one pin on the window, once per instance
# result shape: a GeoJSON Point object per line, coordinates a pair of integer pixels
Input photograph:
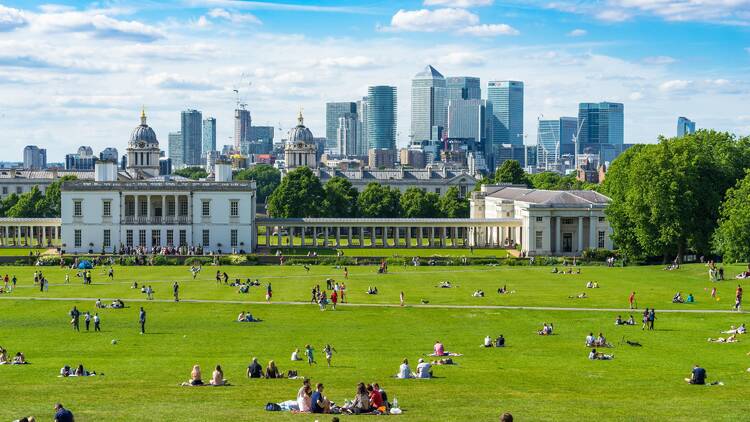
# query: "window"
{"type": "Point", "coordinates": [170, 237]}
{"type": "Point", "coordinates": [233, 238]}
{"type": "Point", "coordinates": [107, 208]}
{"type": "Point", "coordinates": [206, 238]}
{"type": "Point", "coordinates": [19, 190]}
{"type": "Point", "coordinates": [77, 208]}
{"type": "Point", "coordinates": [142, 238]}
{"type": "Point", "coordinates": [567, 220]}
{"type": "Point", "coordinates": [538, 240]}
{"type": "Point", "coordinates": [183, 237]}
{"type": "Point", "coordinates": [601, 240]}
{"type": "Point", "coordinates": [437, 191]}
{"type": "Point", "coordinates": [155, 237]}
{"type": "Point", "coordinates": [5, 190]}
{"type": "Point", "coordinates": [107, 238]}
{"type": "Point", "coordinates": [234, 208]}
{"type": "Point", "coordinates": [601, 219]}
{"type": "Point", "coordinates": [539, 219]}
{"type": "Point", "coordinates": [130, 209]}
{"type": "Point", "coordinates": [129, 238]}
{"type": "Point", "coordinates": [183, 207]}
{"type": "Point", "coordinates": [143, 208]}
{"type": "Point", "coordinates": [206, 208]}
{"type": "Point", "coordinates": [77, 238]}
{"type": "Point", "coordinates": [170, 208]}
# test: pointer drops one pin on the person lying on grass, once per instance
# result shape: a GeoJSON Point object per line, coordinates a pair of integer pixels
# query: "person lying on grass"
{"type": "Point", "coordinates": [67, 371]}
{"type": "Point", "coordinates": [478, 293]}
{"type": "Point", "coordinates": [594, 355]}
{"type": "Point", "coordinates": [444, 361]}
{"type": "Point", "coordinates": [678, 298]}
{"type": "Point", "coordinates": [579, 296]}
{"type": "Point", "coordinates": [372, 290]}
{"type": "Point", "coordinates": [730, 339]}
{"type": "Point", "coordinates": [445, 285]}
{"type": "Point", "coordinates": [739, 330]}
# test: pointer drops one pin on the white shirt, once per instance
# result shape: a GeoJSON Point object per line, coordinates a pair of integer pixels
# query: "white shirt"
{"type": "Point", "coordinates": [295, 356]}
{"type": "Point", "coordinates": [487, 341]}
{"type": "Point", "coordinates": [404, 371]}
{"type": "Point", "coordinates": [423, 370]}
{"type": "Point", "coordinates": [589, 340]}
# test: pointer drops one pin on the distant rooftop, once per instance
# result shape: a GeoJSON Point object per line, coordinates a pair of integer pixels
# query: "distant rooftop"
{"type": "Point", "coordinates": [548, 197]}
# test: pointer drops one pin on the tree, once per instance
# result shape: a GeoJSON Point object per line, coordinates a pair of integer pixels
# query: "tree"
{"type": "Point", "coordinates": [194, 173]}
{"type": "Point", "coordinates": [732, 236]}
{"type": "Point", "coordinates": [300, 194]}
{"type": "Point", "coordinates": [340, 198]}
{"type": "Point", "coordinates": [8, 203]}
{"type": "Point", "coordinates": [30, 205]}
{"type": "Point", "coordinates": [267, 179]}
{"type": "Point", "coordinates": [554, 181]}
{"type": "Point", "coordinates": [377, 201]}
{"type": "Point", "coordinates": [416, 203]}
{"type": "Point", "coordinates": [53, 196]}
{"type": "Point", "coordinates": [451, 205]}
{"type": "Point", "coordinates": [511, 172]}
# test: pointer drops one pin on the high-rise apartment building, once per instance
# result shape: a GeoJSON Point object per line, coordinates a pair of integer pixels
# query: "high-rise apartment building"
{"type": "Point", "coordinates": [34, 158]}
{"type": "Point", "coordinates": [554, 139]}
{"type": "Point", "coordinates": [601, 123]}
{"type": "Point", "coordinates": [463, 88]}
{"type": "Point", "coordinates": [346, 135]}
{"type": "Point", "coordinates": [208, 142]}
{"type": "Point", "coordinates": [467, 120]}
{"type": "Point", "coordinates": [261, 139]}
{"type": "Point", "coordinates": [428, 113]}
{"type": "Point", "coordinates": [685, 126]}
{"type": "Point", "coordinates": [176, 149]}
{"type": "Point", "coordinates": [507, 108]}
{"type": "Point", "coordinates": [192, 137]}
{"type": "Point", "coordinates": [381, 117]}
{"type": "Point", "coordinates": [363, 142]}
{"type": "Point", "coordinates": [333, 112]}
{"type": "Point", "coordinates": [242, 124]}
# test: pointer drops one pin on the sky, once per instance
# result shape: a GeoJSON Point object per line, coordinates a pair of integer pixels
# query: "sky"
{"type": "Point", "coordinates": [78, 73]}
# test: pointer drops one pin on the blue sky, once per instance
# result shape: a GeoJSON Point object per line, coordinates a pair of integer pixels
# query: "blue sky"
{"type": "Point", "coordinates": [76, 73]}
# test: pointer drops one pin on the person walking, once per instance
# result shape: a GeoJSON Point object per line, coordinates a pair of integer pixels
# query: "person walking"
{"type": "Point", "coordinates": [176, 291]}
{"type": "Point", "coordinates": [631, 300]}
{"type": "Point", "coordinates": [401, 298]}
{"type": "Point", "coordinates": [738, 299]}
{"type": "Point", "coordinates": [334, 299]}
{"type": "Point", "coordinates": [142, 320]}
{"type": "Point", "coordinates": [269, 292]}
{"type": "Point", "coordinates": [75, 315]}
{"type": "Point", "coordinates": [87, 319]}
{"type": "Point", "coordinates": [651, 318]}
{"type": "Point", "coordinates": [96, 322]}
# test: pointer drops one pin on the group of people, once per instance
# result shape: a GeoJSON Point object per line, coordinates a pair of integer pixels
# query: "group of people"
{"type": "Point", "coordinates": [598, 341]}
{"type": "Point", "coordinates": [255, 370]}
{"type": "Point", "coordinates": [499, 342]}
{"type": "Point", "coordinates": [677, 298]}
{"type": "Point", "coordinates": [116, 304]}
{"type": "Point", "coordinates": [368, 399]}
{"type": "Point", "coordinates": [620, 321]}
{"type": "Point", "coordinates": [715, 273]}
{"type": "Point", "coordinates": [196, 379]}
{"type": "Point", "coordinates": [423, 370]}
{"type": "Point", "coordinates": [75, 321]}
{"type": "Point", "coordinates": [18, 359]}
{"type": "Point", "coordinates": [246, 316]}
{"type": "Point", "coordinates": [546, 330]}
{"type": "Point", "coordinates": [592, 285]}
{"type": "Point", "coordinates": [79, 371]}
{"type": "Point", "coordinates": [9, 284]}
{"type": "Point", "coordinates": [41, 281]}
{"type": "Point", "coordinates": [649, 316]}
{"type": "Point", "coordinates": [321, 297]}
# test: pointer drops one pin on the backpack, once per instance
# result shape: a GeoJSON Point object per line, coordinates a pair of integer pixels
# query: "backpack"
{"type": "Point", "coordinates": [273, 407]}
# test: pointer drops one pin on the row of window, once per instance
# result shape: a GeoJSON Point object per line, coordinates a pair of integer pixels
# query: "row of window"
{"type": "Point", "coordinates": [155, 238]}
{"type": "Point", "coordinates": [567, 220]}
{"type": "Point", "coordinates": [234, 208]}
{"type": "Point", "coordinates": [19, 190]}
{"type": "Point", "coordinates": [539, 240]}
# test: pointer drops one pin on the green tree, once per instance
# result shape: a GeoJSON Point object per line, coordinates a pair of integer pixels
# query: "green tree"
{"type": "Point", "coordinates": [267, 179]}
{"type": "Point", "coordinates": [300, 194]}
{"type": "Point", "coordinates": [452, 205]}
{"type": "Point", "coordinates": [194, 173]}
{"type": "Point", "coordinates": [553, 181]}
{"type": "Point", "coordinates": [340, 198]}
{"type": "Point", "coordinates": [53, 197]}
{"type": "Point", "coordinates": [416, 203]}
{"type": "Point", "coordinates": [7, 203]}
{"type": "Point", "coordinates": [511, 172]}
{"type": "Point", "coordinates": [377, 201]}
{"type": "Point", "coordinates": [732, 236]}
{"type": "Point", "coordinates": [30, 205]}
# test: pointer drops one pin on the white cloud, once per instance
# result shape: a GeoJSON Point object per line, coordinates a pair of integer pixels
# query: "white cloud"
{"type": "Point", "coordinates": [659, 60]}
{"type": "Point", "coordinates": [353, 62]}
{"type": "Point", "coordinates": [614, 15]}
{"type": "Point", "coordinates": [674, 85]}
{"type": "Point", "coordinates": [635, 96]}
{"type": "Point", "coordinates": [95, 23]}
{"type": "Point", "coordinates": [459, 3]}
{"type": "Point", "coordinates": [11, 18]}
{"type": "Point", "coordinates": [425, 20]}
{"type": "Point", "coordinates": [174, 81]}
{"type": "Point", "coordinates": [577, 33]}
{"type": "Point", "coordinates": [236, 18]}
{"type": "Point", "coordinates": [203, 22]}
{"type": "Point", "coordinates": [270, 5]}
{"type": "Point", "coordinates": [490, 30]}
{"type": "Point", "coordinates": [462, 58]}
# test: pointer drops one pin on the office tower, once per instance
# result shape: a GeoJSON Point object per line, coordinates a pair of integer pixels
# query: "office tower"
{"type": "Point", "coordinates": [34, 158]}
{"type": "Point", "coordinates": [463, 88]}
{"type": "Point", "coordinates": [333, 112]}
{"type": "Point", "coordinates": [176, 149]}
{"type": "Point", "coordinates": [261, 139]}
{"type": "Point", "coordinates": [165, 166]}
{"type": "Point", "coordinates": [208, 142]}
{"type": "Point", "coordinates": [192, 134]}
{"type": "Point", "coordinates": [381, 117]}
{"type": "Point", "coordinates": [362, 142]}
{"type": "Point", "coordinates": [85, 151]}
{"type": "Point", "coordinates": [428, 112]}
{"type": "Point", "coordinates": [82, 160]}
{"type": "Point", "coordinates": [685, 126]}
{"type": "Point", "coordinates": [466, 120]}
{"type": "Point", "coordinates": [507, 107]}
{"type": "Point", "coordinates": [346, 135]}
{"type": "Point", "coordinates": [242, 124]}
{"type": "Point", "coordinates": [601, 123]}
{"type": "Point", "coordinates": [554, 139]}
{"type": "Point", "coordinates": [109, 154]}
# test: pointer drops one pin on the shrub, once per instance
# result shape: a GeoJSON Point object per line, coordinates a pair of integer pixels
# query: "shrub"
{"type": "Point", "coordinates": [234, 259]}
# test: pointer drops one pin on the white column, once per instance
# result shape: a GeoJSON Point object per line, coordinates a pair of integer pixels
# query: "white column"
{"type": "Point", "coordinates": [268, 236]}
{"type": "Point", "coordinates": [44, 235]}
{"type": "Point", "coordinates": [592, 232]}
{"type": "Point", "coordinates": [385, 237]}
{"type": "Point", "coordinates": [580, 234]}
{"type": "Point", "coordinates": [372, 237]}
{"type": "Point", "coordinates": [408, 237]}
{"type": "Point", "coordinates": [302, 235]}
{"type": "Point", "coordinates": [278, 236]}
{"type": "Point", "coordinates": [163, 208]}
{"type": "Point", "coordinates": [148, 210]}
{"type": "Point", "coordinates": [338, 237]}
{"type": "Point", "coordinates": [315, 236]}
{"type": "Point", "coordinates": [419, 236]}
{"type": "Point", "coordinates": [558, 235]}
{"type": "Point", "coordinates": [349, 236]}
{"type": "Point", "coordinates": [325, 236]}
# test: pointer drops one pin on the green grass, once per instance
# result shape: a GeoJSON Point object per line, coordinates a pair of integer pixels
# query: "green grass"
{"type": "Point", "coordinates": [536, 378]}
{"type": "Point", "coordinates": [11, 251]}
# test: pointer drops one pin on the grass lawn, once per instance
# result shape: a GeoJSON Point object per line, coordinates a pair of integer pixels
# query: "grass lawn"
{"type": "Point", "coordinates": [21, 251]}
{"type": "Point", "coordinates": [536, 378]}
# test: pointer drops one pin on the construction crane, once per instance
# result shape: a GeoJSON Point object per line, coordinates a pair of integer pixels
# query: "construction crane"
{"type": "Point", "coordinates": [575, 142]}
{"type": "Point", "coordinates": [240, 101]}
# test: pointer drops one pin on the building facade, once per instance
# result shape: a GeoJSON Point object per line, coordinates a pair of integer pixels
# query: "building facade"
{"type": "Point", "coordinates": [602, 127]}
{"type": "Point", "coordinates": [208, 141]}
{"type": "Point", "coordinates": [242, 124]}
{"type": "Point", "coordinates": [192, 136]}
{"type": "Point", "coordinates": [175, 149]}
{"type": "Point", "coordinates": [431, 179]}
{"type": "Point", "coordinates": [428, 102]}
{"type": "Point", "coordinates": [34, 158]}
{"type": "Point", "coordinates": [334, 111]}
{"type": "Point", "coordinates": [507, 109]}
{"type": "Point", "coordinates": [555, 139]}
{"type": "Point", "coordinates": [381, 117]}
{"type": "Point", "coordinates": [347, 135]}
{"type": "Point", "coordinates": [463, 88]}
{"type": "Point", "coordinates": [22, 181]}
{"type": "Point", "coordinates": [300, 149]}
{"type": "Point", "coordinates": [685, 126]}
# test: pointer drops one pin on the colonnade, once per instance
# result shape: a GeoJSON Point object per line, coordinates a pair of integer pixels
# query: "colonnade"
{"type": "Point", "coordinates": [29, 231]}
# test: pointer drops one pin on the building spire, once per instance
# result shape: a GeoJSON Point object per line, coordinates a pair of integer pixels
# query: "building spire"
{"type": "Point", "coordinates": [300, 119]}
{"type": "Point", "coordinates": [143, 115]}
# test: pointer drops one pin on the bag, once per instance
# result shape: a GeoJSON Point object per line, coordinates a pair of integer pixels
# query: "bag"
{"type": "Point", "coordinates": [292, 374]}
{"type": "Point", "coordinates": [273, 407]}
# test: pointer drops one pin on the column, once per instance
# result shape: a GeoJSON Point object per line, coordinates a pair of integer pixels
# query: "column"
{"type": "Point", "coordinates": [592, 232]}
{"type": "Point", "coordinates": [302, 236]}
{"type": "Point", "coordinates": [580, 234]}
{"type": "Point", "coordinates": [163, 209]}
{"type": "Point", "coordinates": [338, 237]}
{"type": "Point", "coordinates": [558, 235]}
{"type": "Point", "coordinates": [396, 238]}
{"type": "Point", "coordinates": [148, 209]}
{"type": "Point", "coordinates": [315, 237]}
{"type": "Point", "coordinates": [419, 236]}
{"type": "Point", "coordinates": [372, 237]}
{"type": "Point", "coordinates": [278, 236]}
{"type": "Point", "coordinates": [385, 237]}
{"type": "Point", "coordinates": [290, 236]}
{"type": "Point", "coordinates": [361, 237]}
{"type": "Point", "coordinates": [176, 207]}
{"type": "Point", "coordinates": [454, 236]}
{"type": "Point", "coordinates": [442, 237]}
{"type": "Point", "coordinates": [432, 236]}
{"type": "Point", "coordinates": [325, 236]}
{"type": "Point", "coordinates": [44, 235]}
{"type": "Point", "coordinates": [408, 237]}
{"type": "Point", "coordinates": [268, 236]}
{"type": "Point", "coordinates": [349, 236]}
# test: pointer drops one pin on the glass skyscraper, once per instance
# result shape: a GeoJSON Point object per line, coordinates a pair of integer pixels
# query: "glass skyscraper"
{"type": "Point", "coordinates": [601, 124]}
{"type": "Point", "coordinates": [242, 124]}
{"type": "Point", "coordinates": [175, 149]}
{"type": "Point", "coordinates": [381, 117]}
{"type": "Point", "coordinates": [507, 107]}
{"type": "Point", "coordinates": [685, 126]}
{"type": "Point", "coordinates": [192, 136]}
{"type": "Point", "coordinates": [209, 135]}
{"type": "Point", "coordinates": [428, 104]}
{"type": "Point", "coordinates": [554, 139]}
{"type": "Point", "coordinates": [333, 112]}
{"type": "Point", "coordinates": [463, 88]}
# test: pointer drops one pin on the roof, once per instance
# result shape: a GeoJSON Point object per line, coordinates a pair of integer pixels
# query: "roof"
{"type": "Point", "coordinates": [429, 72]}
{"type": "Point", "coordinates": [159, 185]}
{"type": "Point", "coordinates": [398, 174]}
{"type": "Point", "coordinates": [551, 197]}
{"type": "Point", "coordinates": [44, 174]}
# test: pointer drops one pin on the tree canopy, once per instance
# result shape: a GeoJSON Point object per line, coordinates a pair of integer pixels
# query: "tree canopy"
{"type": "Point", "coordinates": [511, 172]}
{"type": "Point", "coordinates": [451, 205]}
{"type": "Point", "coordinates": [416, 203]}
{"type": "Point", "coordinates": [378, 201]}
{"type": "Point", "coordinates": [34, 203]}
{"type": "Point", "coordinates": [732, 236]}
{"type": "Point", "coordinates": [340, 198]}
{"type": "Point", "coordinates": [266, 176]}
{"type": "Point", "coordinates": [194, 173]}
{"type": "Point", "coordinates": [300, 194]}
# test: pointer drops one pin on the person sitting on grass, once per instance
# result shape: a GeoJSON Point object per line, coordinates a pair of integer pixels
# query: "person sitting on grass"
{"type": "Point", "coordinates": [690, 298]}
{"type": "Point", "coordinates": [739, 330]}
{"type": "Point", "coordinates": [500, 341]}
{"type": "Point", "coordinates": [254, 370]}
{"type": "Point", "coordinates": [601, 341]}
{"type": "Point", "coordinates": [438, 349]}
{"type": "Point", "coordinates": [295, 355]}
{"type": "Point", "coordinates": [594, 355]}
{"type": "Point", "coordinates": [376, 397]}
{"type": "Point", "coordinates": [195, 377]}
{"type": "Point", "coordinates": [697, 376]}
{"type": "Point", "coordinates": [217, 378]}
{"type": "Point", "coordinates": [320, 403]}
{"type": "Point", "coordinates": [404, 371]}
{"type": "Point", "coordinates": [304, 394]}
{"type": "Point", "coordinates": [503, 290]}
{"type": "Point", "coordinates": [555, 270]}
{"type": "Point", "coordinates": [546, 330]}
{"type": "Point", "coordinates": [630, 321]}
{"type": "Point", "coordinates": [678, 298]}
{"type": "Point", "coordinates": [590, 340]}
{"type": "Point", "coordinates": [424, 369]}
{"type": "Point", "coordinates": [730, 339]}
{"type": "Point", "coordinates": [241, 317]}
{"type": "Point", "coordinates": [590, 285]}
{"type": "Point", "coordinates": [3, 356]}
{"type": "Point", "coordinates": [619, 321]}
{"type": "Point", "coordinates": [372, 290]}
{"type": "Point", "coordinates": [487, 342]}
{"type": "Point", "coordinates": [361, 402]}
{"type": "Point", "coordinates": [272, 371]}
{"type": "Point", "coordinates": [19, 359]}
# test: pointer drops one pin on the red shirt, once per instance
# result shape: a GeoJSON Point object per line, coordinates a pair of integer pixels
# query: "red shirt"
{"type": "Point", "coordinates": [334, 297]}
{"type": "Point", "coordinates": [376, 400]}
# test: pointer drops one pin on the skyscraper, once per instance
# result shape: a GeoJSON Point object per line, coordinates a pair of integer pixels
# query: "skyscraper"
{"type": "Point", "coordinates": [601, 124]}
{"type": "Point", "coordinates": [466, 120]}
{"type": "Point", "coordinates": [381, 117]}
{"type": "Point", "coordinates": [208, 135]}
{"type": "Point", "coordinates": [507, 107]}
{"type": "Point", "coordinates": [685, 126]}
{"type": "Point", "coordinates": [242, 124]}
{"type": "Point", "coordinates": [346, 135]}
{"type": "Point", "coordinates": [428, 113]}
{"type": "Point", "coordinates": [463, 88]}
{"type": "Point", "coordinates": [176, 149]}
{"type": "Point", "coordinates": [109, 154]}
{"type": "Point", "coordinates": [261, 139]}
{"type": "Point", "coordinates": [34, 158]}
{"type": "Point", "coordinates": [333, 112]}
{"type": "Point", "coordinates": [192, 134]}
{"type": "Point", "coordinates": [362, 143]}
{"type": "Point", "coordinates": [554, 139]}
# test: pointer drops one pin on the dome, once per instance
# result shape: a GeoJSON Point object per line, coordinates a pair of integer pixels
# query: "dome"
{"type": "Point", "coordinates": [299, 133]}
{"type": "Point", "coordinates": [143, 134]}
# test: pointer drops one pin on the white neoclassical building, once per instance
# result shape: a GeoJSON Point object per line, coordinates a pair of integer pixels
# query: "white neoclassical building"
{"type": "Point", "coordinates": [138, 208]}
{"type": "Point", "coordinates": [551, 222]}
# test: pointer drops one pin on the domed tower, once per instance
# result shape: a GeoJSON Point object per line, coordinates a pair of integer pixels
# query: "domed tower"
{"type": "Point", "coordinates": [143, 151]}
{"type": "Point", "coordinates": [300, 149]}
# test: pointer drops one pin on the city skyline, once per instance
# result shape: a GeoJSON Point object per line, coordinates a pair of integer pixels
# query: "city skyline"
{"type": "Point", "coordinates": [91, 68]}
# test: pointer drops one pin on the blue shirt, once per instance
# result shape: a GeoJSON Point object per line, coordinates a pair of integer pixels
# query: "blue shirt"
{"type": "Point", "coordinates": [699, 375]}
{"type": "Point", "coordinates": [316, 396]}
{"type": "Point", "coordinates": [142, 316]}
{"type": "Point", "coordinates": [64, 415]}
